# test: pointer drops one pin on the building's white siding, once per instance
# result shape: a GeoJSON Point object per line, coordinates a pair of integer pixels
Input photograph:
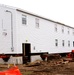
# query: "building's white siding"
{"type": "Point", "coordinates": [42, 39]}
{"type": "Point", "coordinates": [43, 35]}
{"type": "Point", "coordinates": [5, 30]}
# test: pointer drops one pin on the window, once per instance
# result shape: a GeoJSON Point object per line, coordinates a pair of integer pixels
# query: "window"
{"type": "Point", "coordinates": [62, 29]}
{"type": "Point", "coordinates": [56, 42]}
{"type": "Point", "coordinates": [37, 22]}
{"type": "Point", "coordinates": [73, 31]}
{"type": "Point", "coordinates": [62, 42]}
{"type": "Point", "coordinates": [68, 31]}
{"type": "Point", "coordinates": [73, 43]}
{"type": "Point", "coordinates": [24, 21]}
{"type": "Point", "coordinates": [68, 43]}
{"type": "Point", "coordinates": [56, 27]}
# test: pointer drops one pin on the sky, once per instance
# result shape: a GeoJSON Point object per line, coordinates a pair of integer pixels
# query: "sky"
{"type": "Point", "coordinates": [57, 10]}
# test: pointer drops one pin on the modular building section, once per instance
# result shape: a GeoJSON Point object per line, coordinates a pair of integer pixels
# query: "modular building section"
{"type": "Point", "coordinates": [25, 36]}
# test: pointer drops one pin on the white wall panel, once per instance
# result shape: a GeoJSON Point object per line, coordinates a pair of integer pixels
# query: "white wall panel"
{"type": "Point", "coordinates": [43, 38]}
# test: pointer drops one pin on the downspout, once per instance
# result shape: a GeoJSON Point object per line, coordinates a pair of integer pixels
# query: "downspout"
{"type": "Point", "coordinates": [12, 48]}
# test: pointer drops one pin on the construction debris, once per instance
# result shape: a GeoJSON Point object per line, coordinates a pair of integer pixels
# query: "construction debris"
{"type": "Point", "coordinates": [43, 70]}
{"type": "Point", "coordinates": [36, 63]}
{"type": "Point", "coordinates": [61, 66]}
{"type": "Point", "coordinates": [67, 59]}
{"type": "Point", "coordinates": [65, 62]}
{"type": "Point", "coordinates": [54, 56]}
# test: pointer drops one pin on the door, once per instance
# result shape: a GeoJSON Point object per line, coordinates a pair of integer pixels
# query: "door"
{"type": "Point", "coordinates": [26, 47]}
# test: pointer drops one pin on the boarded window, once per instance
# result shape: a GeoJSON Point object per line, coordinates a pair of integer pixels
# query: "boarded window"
{"type": "Point", "coordinates": [73, 31]}
{"type": "Point", "coordinates": [24, 20]}
{"type": "Point", "coordinates": [68, 31]}
{"type": "Point", "coordinates": [56, 42]}
{"type": "Point", "coordinates": [63, 43]}
{"type": "Point", "coordinates": [73, 43]}
{"type": "Point", "coordinates": [62, 29]}
{"type": "Point", "coordinates": [68, 43]}
{"type": "Point", "coordinates": [56, 27]}
{"type": "Point", "coordinates": [37, 22]}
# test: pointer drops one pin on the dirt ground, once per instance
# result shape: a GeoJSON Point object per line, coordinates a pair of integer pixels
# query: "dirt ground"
{"type": "Point", "coordinates": [51, 67]}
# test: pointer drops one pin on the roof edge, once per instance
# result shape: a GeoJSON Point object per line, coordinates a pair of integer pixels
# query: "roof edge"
{"type": "Point", "coordinates": [43, 18]}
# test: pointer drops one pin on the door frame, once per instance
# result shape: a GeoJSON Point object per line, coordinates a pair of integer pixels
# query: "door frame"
{"type": "Point", "coordinates": [26, 58]}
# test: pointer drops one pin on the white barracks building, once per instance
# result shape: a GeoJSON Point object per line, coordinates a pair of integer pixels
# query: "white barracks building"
{"type": "Point", "coordinates": [25, 36]}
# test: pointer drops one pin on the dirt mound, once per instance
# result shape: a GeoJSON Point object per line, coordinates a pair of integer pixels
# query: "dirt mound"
{"type": "Point", "coordinates": [52, 67]}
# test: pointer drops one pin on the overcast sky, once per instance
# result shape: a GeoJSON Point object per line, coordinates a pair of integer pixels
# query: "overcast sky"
{"type": "Point", "coordinates": [57, 10]}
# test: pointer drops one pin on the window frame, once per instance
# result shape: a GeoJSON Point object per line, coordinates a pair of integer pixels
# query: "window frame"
{"type": "Point", "coordinates": [68, 43]}
{"type": "Point", "coordinates": [62, 29]}
{"type": "Point", "coordinates": [68, 31]}
{"type": "Point", "coordinates": [37, 22]}
{"type": "Point", "coordinates": [56, 42]}
{"type": "Point", "coordinates": [73, 32]}
{"type": "Point", "coordinates": [73, 43]}
{"type": "Point", "coordinates": [63, 43]}
{"type": "Point", "coordinates": [56, 29]}
{"type": "Point", "coordinates": [24, 19]}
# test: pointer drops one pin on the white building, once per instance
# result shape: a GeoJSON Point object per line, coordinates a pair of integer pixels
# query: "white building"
{"type": "Point", "coordinates": [23, 34]}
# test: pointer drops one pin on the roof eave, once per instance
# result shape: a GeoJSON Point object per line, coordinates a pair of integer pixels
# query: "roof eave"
{"type": "Point", "coordinates": [44, 18]}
